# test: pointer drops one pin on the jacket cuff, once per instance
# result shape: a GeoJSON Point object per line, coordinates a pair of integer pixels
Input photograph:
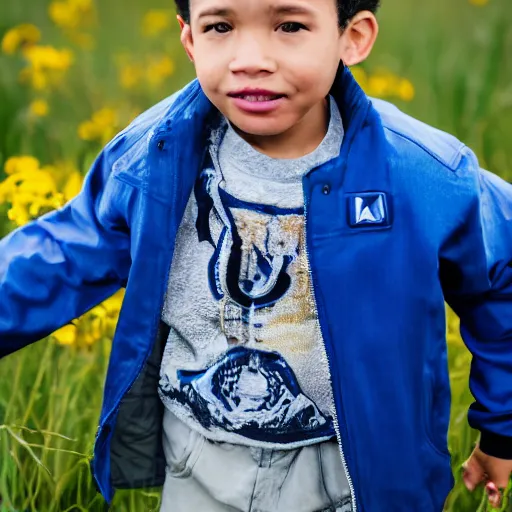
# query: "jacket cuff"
{"type": "Point", "coordinates": [496, 445]}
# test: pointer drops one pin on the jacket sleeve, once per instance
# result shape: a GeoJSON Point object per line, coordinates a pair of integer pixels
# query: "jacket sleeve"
{"type": "Point", "coordinates": [478, 286]}
{"type": "Point", "coordinates": [57, 267]}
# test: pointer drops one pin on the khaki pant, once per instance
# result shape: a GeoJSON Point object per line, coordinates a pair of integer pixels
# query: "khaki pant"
{"type": "Point", "coordinates": [207, 476]}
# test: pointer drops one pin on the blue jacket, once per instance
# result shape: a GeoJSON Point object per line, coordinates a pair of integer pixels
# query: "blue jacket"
{"type": "Point", "coordinates": [401, 221]}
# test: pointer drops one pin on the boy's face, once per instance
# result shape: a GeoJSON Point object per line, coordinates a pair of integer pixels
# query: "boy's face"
{"type": "Point", "coordinates": [265, 64]}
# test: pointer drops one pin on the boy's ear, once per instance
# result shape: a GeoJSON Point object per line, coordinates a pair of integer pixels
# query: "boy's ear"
{"type": "Point", "coordinates": [186, 37]}
{"type": "Point", "coordinates": [358, 38]}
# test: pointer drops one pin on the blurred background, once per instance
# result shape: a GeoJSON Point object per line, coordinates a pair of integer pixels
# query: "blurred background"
{"type": "Point", "coordinates": [75, 72]}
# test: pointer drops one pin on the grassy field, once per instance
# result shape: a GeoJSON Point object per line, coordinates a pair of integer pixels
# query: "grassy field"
{"type": "Point", "coordinates": [81, 71]}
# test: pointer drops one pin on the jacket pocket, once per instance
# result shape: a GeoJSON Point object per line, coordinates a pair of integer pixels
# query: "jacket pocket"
{"type": "Point", "coordinates": [182, 446]}
{"type": "Point", "coordinates": [436, 428]}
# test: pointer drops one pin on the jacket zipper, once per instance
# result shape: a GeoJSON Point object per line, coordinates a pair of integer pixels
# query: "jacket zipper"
{"type": "Point", "coordinates": [335, 419]}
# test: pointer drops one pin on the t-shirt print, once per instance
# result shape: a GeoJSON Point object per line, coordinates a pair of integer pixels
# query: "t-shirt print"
{"type": "Point", "coordinates": [245, 360]}
{"type": "Point", "coordinates": [258, 274]}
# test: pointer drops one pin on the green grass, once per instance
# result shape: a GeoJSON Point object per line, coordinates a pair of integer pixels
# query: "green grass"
{"type": "Point", "coordinates": [457, 56]}
{"type": "Point", "coordinates": [50, 399]}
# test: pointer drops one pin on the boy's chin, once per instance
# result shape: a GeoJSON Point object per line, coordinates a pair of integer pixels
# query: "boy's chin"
{"type": "Point", "coordinates": [262, 127]}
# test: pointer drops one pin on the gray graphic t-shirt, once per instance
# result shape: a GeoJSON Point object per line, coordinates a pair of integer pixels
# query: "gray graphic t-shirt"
{"type": "Point", "coordinates": [245, 362]}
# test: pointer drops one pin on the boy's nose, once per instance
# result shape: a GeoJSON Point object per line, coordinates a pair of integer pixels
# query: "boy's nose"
{"type": "Point", "coordinates": [252, 57]}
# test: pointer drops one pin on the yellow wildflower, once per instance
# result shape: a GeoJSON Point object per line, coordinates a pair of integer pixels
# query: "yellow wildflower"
{"type": "Point", "coordinates": [72, 14]}
{"type": "Point", "coordinates": [20, 37]}
{"type": "Point", "coordinates": [33, 190]}
{"type": "Point", "coordinates": [379, 86]}
{"type": "Point", "coordinates": [46, 66]}
{"type": "Point", "coordinates": [384, 84]}
{"type": "Point", "coordinates": [94, 331]}
{"type": "Point", "coordinates": [406, 90]}
{"type": "Point", "coordinates": [39, 108]}
{"type": "Point", "coordinates": [48, 57]}
{"type": "Point", "coordinates": [158, 70]}
{"type": "Point", "coordinates": [73, 185]}
{"type": "Point", "coordinates": [68, 178]}
{"type": "Point", "coordinates": [113, 304]}
{"type": "Point", "coordinates": [155, 22]}
{"type": "Point", "coordinates": [153, 72]}
{"type": "Point", "coordinates": [97, 324]}
{"type": "Point", "coordinates": [18, 214]}
{"type": "Point", "coordinates": [479, 3]}
{"type": "Point", "coordinates": [62, 15]}
{"type": "Point", "coordinates": [66, 335]}
{"type": "Point", "coordinates": [21, 163]}
{"type": "Point", "coordinates": [30, 189]}
{"type": "Point", "coordinates": [101, 127]}
{"type": "Point", "coordinates": [112, 307]}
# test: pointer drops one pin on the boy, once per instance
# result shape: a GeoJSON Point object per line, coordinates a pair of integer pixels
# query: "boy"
{"type": "Point", "coordinates": [292, 357]}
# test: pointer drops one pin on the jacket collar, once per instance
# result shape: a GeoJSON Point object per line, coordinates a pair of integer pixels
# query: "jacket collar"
{"type": "Point", "coordinates": [178, 139]}
{"type": "Point", "coordinates": [352, 102]}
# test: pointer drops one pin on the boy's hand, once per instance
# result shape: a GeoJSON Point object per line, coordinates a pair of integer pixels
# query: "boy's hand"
{"type": "Point", "coordinates": [491, 470]}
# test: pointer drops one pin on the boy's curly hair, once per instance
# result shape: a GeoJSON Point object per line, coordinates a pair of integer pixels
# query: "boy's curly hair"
{"type": "Point", "coordinates": [347, 9]}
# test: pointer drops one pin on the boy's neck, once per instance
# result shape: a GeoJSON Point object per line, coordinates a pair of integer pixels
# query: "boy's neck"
{"type": "Point", "coordinates": [300, 140]}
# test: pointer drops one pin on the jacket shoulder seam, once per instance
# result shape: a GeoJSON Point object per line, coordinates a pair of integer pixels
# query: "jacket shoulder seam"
{"type": "Point", "coordinates": [452, 165]}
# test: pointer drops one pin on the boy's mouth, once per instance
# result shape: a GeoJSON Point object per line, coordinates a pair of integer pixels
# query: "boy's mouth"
{"type": "Point", "coordinates": [257, 101]}
{"type": "Point", "coordinates": [256, 95]}
{"type": "Point", "coordinates": [253, 98]}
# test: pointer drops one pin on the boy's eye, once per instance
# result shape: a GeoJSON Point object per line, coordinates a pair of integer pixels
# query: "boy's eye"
{"type": "Point", "coordinates": [292, 26]}
{"type": "Point", "coordinates": [220, 27]}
